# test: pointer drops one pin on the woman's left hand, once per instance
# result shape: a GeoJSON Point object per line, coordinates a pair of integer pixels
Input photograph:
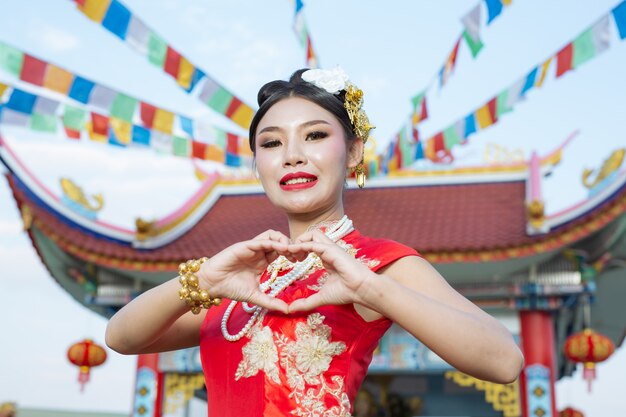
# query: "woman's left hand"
{"type": "Point", "coordinates": [347, 278]}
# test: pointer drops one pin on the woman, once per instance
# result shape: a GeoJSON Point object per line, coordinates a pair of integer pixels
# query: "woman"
{"type": "Point", "coordinates": [305, 312]}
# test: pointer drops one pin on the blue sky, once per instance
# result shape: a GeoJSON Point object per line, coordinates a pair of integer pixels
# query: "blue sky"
{"type": "Point", "coordinates": [390, 50]}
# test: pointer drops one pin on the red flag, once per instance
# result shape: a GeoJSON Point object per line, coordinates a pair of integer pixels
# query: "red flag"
{"type": "Point", "coordinates": [100, 124]}
{"type": "Point", "coordinates": [397, 151]}
{"type": "Point", "coordinates": [72, 134]}
{"type": "Point", "coordinates": [147, 112]}
{"type": "Point", "coordinates": [492, 106]}
{"type": "Point", "coordinates": [564, 60]}
{"type": "Point", "coordinates": [235, 103]}
{"type": "Point", "coordinates": [172, 62]}
{"type": "Point", "coordinates": [198, 149]}
{"type": "Point", "coordinates": [232, 145]}
{"type": "Point", "coordinates": [439, 144]}
{"type": "Point", "coordinates": [33, 70]}
{"type": "Point", "coordinates": [416, 134]}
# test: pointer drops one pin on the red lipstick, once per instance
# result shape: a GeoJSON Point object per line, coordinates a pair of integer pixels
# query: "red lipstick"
{"type": "Point", "coordinates": [311, 181]}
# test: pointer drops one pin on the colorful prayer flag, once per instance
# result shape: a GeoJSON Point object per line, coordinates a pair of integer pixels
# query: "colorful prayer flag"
{"type": "Point", "coordinates": [11, 59]}
{"type": "Point", "coordinates": [81, 89]}
{"type": "Point", "coordinates": [43, 123]}
{"type": "Point", "coordinates": [21, 101]}
{"type": "Point", "coordinates": [564, 60]}
{"type": "Point", "coordinates": [420, 110]}
{"type": "Point", "coordinates": [117, 19]}
{"type": "Point", "coordinates": [94, 9]}
{"type": "Point", "coordinates": [74, 118]}
{"type": "Point", "coordinates": [619, 15]}
{"type": "Point", "coordinates": [33, 70]}
{"type": "Point", "coordinates": [123, 107]}
{"type": "Point", "coordinates": [471, 34]}
{"type": "Point", "coordinates": [58, 79]}
{"type": "Point", "coordinates": [494, 8]}
{"type": "Point", "coordinates": [483, 116]}
{"type": "Point", "coordinates": [544, 71]}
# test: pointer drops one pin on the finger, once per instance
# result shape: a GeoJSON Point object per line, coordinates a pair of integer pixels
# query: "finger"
{"type": "Point", "coordinates": [306, 304]}
{"type": "Point", "coordinates": [314, 236]}
{"type": "Point", "coordinates": [273, 235]}
{"type": "Point", "coordinates": [323, 250]}
{"type": "Point", "coordinates": [266, 245]}
{"type": "Point", "coordinates": [263, 300]}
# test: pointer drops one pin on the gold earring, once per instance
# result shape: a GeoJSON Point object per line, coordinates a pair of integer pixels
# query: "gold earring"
{"type": "Point", "coordinates": [360, 175]}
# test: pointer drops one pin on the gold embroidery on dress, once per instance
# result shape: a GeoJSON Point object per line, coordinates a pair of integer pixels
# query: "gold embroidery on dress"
{"type": "Point", "coordinates": [304, 361]}
{"type": "Point", "coordinates": [259, 353]}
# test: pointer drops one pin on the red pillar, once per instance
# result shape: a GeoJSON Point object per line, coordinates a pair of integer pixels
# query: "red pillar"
{"type": "Point", "coordinates": [538, 377]}
{"type": "Point", "coordinates": [148, 387]}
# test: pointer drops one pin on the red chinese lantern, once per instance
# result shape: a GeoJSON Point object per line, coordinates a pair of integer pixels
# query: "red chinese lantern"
{"type": "Point", "coordinates": [86, 354]}
{"type": "Point", "coordinates": [570, 412]}
{"type": "Point", "coordinates": [588, 347]}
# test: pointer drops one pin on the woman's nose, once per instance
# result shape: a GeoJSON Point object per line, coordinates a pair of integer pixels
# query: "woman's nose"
{"type": "Point", "coordinates": [294, 154]}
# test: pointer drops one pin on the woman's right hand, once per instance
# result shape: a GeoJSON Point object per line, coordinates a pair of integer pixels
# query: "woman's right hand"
{"type": "Point", "coordinates": [234, 272]}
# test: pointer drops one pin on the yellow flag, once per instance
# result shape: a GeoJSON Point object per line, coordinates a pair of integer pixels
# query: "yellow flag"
{"type": "Point", "coordinates": [96, 137]}
{"type": "Point", "coordinates": [122, 130]}
{"type": "Point", "coordinates": [544, 71]}
{"type": "Point", "coordinates": [185, 72]}
{"type": "Point", "coordinates": [57, 79]}
{"type": "Point", "coordinates": [213, 153]}
{"type": "Point", "coordinates": [484, 117]}
{"type": "Point", "coordinates": [243, 115]}
{"type": "Point", "coordinates": [163, 121]}
{"type": "Point", "coordinates": [95, 9]}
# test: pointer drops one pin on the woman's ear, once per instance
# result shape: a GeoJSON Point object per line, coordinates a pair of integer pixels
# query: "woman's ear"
{"type": "Point", "coordinates": [355, 153]}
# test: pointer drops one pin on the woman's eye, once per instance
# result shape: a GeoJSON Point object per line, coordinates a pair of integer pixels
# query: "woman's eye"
{"type": "Point", "coordinates": [270, 144]}
{"type": "Point", "coordinates": [316, 135]}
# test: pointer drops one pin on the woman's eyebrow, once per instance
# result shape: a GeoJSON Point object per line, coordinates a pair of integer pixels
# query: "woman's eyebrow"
{"type": "Point", "coordinates": [302, 126]}
{"type": "Point", "coordinates": [313, 122]}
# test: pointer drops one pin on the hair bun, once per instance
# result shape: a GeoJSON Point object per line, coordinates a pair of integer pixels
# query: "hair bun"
{"type": "Point", "coordinates": [296, 77]}
{"type": "Point", "coordinates": [270, 89]}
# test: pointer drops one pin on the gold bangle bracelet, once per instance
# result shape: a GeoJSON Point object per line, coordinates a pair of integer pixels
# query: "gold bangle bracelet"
{"type": "Point", "coordinates": [195, 297]}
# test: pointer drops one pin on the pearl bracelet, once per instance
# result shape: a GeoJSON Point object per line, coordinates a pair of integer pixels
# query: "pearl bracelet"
{"type": "Point", "coordinates": [196, 297]}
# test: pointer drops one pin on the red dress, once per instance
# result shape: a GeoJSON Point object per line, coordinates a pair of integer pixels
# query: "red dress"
{"type": "Point", "coordinates": [305, 364]}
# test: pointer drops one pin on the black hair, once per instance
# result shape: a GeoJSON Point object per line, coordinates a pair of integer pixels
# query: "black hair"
{"type": "Point", "coordinates": [275, 91]}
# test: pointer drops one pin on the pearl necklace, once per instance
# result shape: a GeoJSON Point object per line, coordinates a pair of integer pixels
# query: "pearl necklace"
{"type": "Point", "coordinates": [276, 284]}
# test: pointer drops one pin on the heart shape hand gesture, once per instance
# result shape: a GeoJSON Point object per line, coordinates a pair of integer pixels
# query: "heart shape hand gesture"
{"type": "Point", "coordinates": [234, 272]}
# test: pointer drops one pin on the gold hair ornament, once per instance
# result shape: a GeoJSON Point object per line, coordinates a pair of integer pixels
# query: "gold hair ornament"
{"type": "Point", "coordinates": [196, 297]}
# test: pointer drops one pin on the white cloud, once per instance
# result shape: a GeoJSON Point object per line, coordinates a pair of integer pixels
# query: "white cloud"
{"type": "Point", "coordinates": [52, 38]}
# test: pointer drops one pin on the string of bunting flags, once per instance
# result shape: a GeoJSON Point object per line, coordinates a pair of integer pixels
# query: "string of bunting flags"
{"type": "Point", "coordinates": [115, 17]}
{"type": "Point", "coordinates": [302, 33]}
{"type": "Point", "coordinates": [44, 114]}
{"type": "Point", "coordinates": [407, 147]}
{"type": "Point", "coordinates": [471, 35]}
{"type": "Point", "coordinates": [35, 71]}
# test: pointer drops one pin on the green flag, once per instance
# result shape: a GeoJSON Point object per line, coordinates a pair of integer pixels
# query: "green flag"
{"type": "Point", "coordinates": [44, 122]}
{"type": "Point", "coordinates": [123, 107]}
{"type": "Point", "coordinates": [74, 118]}
{"type": "Point", "coordinates": [157, 49]}
{"type": "Point", "coordinates": [181, 146]}
{"type": "Point", "coordinates": [11, 59]}
{"type": "Point", "coordinates": [220, 100]}
{"type": "Point", "coordinates": [584, 48]}
{"type": "Point", "coordinates": [475, 45]}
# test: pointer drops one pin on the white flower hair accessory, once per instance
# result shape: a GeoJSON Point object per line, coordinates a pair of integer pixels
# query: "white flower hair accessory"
{"type": "Point", "coordinates": [332, 80]}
